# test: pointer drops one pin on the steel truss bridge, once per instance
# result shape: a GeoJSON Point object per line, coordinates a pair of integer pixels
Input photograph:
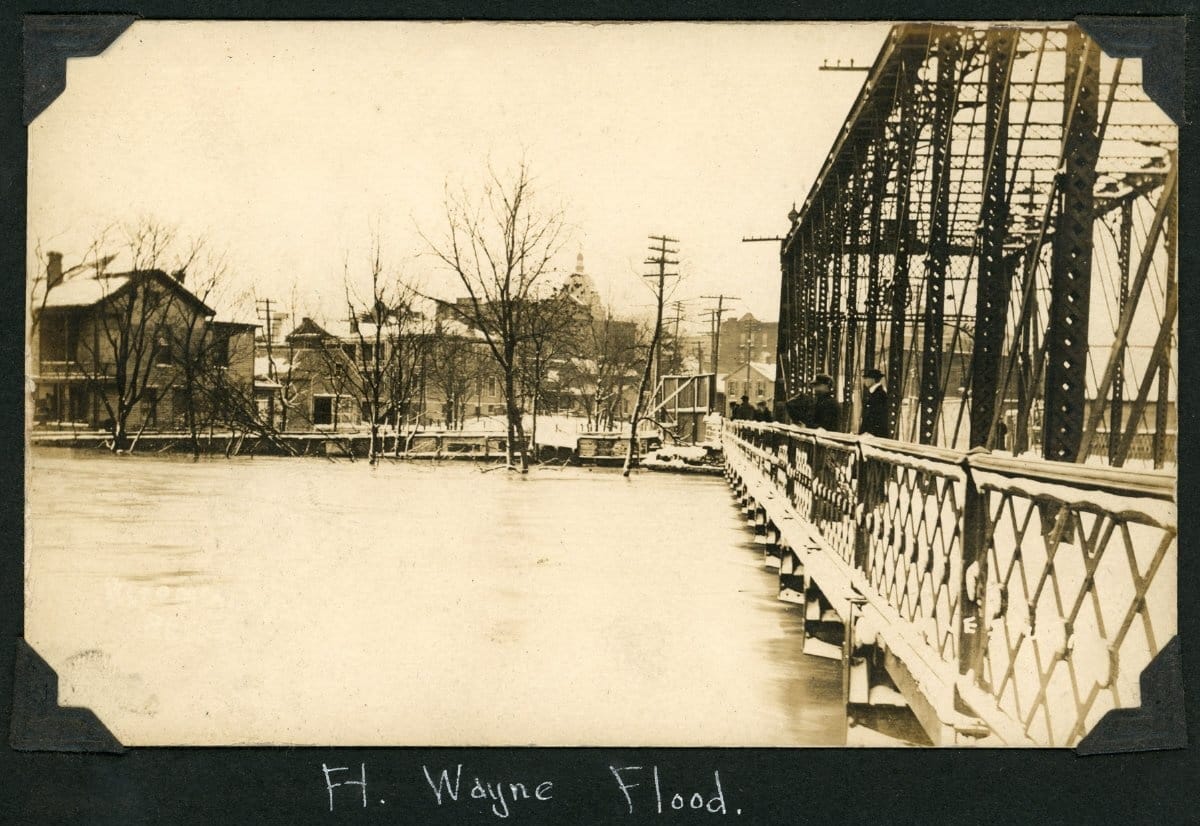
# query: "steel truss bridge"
{"type": "Point", "coordinates": [994, 229]}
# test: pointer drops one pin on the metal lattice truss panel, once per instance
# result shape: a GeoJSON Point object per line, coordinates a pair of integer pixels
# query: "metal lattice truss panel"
{"type": "Point", "coordinates": [994, 228]}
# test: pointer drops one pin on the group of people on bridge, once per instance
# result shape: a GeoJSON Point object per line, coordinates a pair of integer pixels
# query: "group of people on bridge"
{"type": "Point", "coordinates": [820, 410]}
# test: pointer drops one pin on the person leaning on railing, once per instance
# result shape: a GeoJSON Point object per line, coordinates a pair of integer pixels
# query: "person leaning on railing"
{"type": "Point", "coordinates": [818, 409]}
{"type": "Point", "coordinates": [826, 415]}
{"type": "Point", "coordinates": [761, 413]}
{"type": "Point", "coordinates": [875, 405]}
{"type": "Point", "coordinates": [745, 410]}
{"type": "Point", "coordinates": [873, 485]}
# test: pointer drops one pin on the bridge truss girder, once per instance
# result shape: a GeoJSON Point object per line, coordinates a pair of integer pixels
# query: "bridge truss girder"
{"type": "Point", "coordinates": [973, 232]}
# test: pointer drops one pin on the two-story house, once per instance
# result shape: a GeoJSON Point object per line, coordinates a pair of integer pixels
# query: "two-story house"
{"type": "Point", "coordinates": [132, 350]}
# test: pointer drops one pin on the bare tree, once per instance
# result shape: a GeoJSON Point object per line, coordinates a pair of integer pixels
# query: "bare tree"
{"type": "Point", "coordinates": [500, 245]}
{"type": "Point", "coordinates": [124, 342]}
{"type": "Point", "coordinates": [382, 325]}
{"type": "Point", "coordinates": [552, 334]}
{"type": "Point", "coordinates": [404, 374]}
{"type": "Point", "coordinates": [456, 365]}
{"type": "Point", "coordinates": [193, 348]}
{"type": "Point", "coordinates": [611, 352]}
{"type": "Point", "coordinates": [281, 360]}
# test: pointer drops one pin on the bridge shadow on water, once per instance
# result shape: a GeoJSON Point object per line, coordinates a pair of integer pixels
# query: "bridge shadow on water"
{"type": "Point", "coordinates": [807, 696]}
{"type": "Point", "coordinates": [806, 692]}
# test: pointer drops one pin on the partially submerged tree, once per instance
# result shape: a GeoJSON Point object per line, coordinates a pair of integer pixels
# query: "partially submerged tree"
{"type": "Point", "coordinates": [279, 354]}
{"type": "Point", "coordinates": [610, 352]}
{"type": "Point", "coordinates": [197, 350]}
{"type": "Point", "coordinates": [500, 244]}
{"type": "Point", "coordinates": [456, 364]}
{"type": "Point", "coordinates": [375, 363]}
{"type": "Point", "coordinates": [126, 340]}
{"type": "Point", "coordinates": [552, 335]}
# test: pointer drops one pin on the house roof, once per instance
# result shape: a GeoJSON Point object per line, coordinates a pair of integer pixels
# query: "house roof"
{"type": "Point", "coordinates": [308, 328]}
{"type": "Point", "coordinates": [86, 290]}
{"type": "Point", "coordinates": [237, 325]}
{"type": "Point", "coordinates": [767, 371]}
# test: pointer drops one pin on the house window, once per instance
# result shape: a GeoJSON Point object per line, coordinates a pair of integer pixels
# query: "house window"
{"type": "Point", "coordinates": [162, 352]}
{"type": "Point", "coordinates": [322, 410]}
{"type": "Point", "coordinates": [368, 353]}
{"type": "Point", "coordinates": [348, 349]}
{"type": "Point", "coordinates": [491, 385]}
{"type": "Point", "coordinates": [220, 351]}
{"type": "Point", "coordinates": [759, 387]}
{"type": "Point", "coordinates": [60, 337]}
{"type": "Point", "coordinates": [78, 403]}
{"type": "Point", "coordinates": [150, 406]}
{"type": "Point", "coordinates": [72, 337]}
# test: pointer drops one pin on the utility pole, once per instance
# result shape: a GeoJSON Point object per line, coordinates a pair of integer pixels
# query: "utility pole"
{"type": "Point", "coordinates": [716, 316]}
{"type": "Point", "coordinates": [266, 303]}
{"type": "Point", "coordinates": [677, 306]}
{"type": "Point", "coordinates": [661, 252]}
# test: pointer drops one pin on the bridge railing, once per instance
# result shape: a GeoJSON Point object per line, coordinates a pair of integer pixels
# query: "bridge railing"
{"type": "Point", "coordinates": [1047, 587]}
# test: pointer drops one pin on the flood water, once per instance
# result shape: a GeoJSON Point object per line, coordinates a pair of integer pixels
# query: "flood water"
{"type": "Point", "coordinates": [276, 600]}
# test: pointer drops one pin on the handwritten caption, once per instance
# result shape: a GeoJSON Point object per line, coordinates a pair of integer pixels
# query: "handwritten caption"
{"type": "Point", "coordinates": [636, 790]}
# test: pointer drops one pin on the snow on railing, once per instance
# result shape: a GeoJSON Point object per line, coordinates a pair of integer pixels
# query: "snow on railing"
{"type": "Point", "coordinates": [1050, 586]}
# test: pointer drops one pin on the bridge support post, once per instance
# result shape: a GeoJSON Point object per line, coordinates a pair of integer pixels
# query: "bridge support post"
{"type": "Point", "coordinates": [973, 630]}
{"type": "Point", "coordinates": [995, 273]}
{"type": "Point", "coordinates": [906, 138]}
{"type": "Point", "coordinates": [938, 259]}
{"type": "Point", "coordinates": [1071, 256]}
{"type": "Point", "coordinates": [791, 576]}
{"type": "Point", "coordinates": [879, 171]}
{"type": "Point", "coordinates": [854, 218]}
{"type": "Point", "coordinates": [1116, 412]}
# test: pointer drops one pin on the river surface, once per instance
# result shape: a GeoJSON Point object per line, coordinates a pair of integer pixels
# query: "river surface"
{"type": "Point", "coordinates": [279, 601]}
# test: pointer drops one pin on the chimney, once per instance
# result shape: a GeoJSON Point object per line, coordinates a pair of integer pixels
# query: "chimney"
{"type": "Point", "coordinates": [54, 271]}
{"type": "Point", "coordinates": [179, 275]}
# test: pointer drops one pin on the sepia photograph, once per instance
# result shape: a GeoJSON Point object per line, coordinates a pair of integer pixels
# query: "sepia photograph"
{"type": "Point", "coordinates": [790, 384]}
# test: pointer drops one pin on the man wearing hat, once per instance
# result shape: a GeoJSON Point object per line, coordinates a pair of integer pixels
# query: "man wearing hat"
{"type": "Point", "coordinates": [745, 410]}
{"type": "Point", "coordinates": [875, 405]}
{"type": "Point", "coordinates": [825, 413]}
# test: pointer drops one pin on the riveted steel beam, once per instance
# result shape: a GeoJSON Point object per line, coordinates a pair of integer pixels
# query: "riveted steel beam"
{"type": "Point", "coordinates": [938, 260]}
{"type": "Point", "coordinates": [877, 192]}
{"type": "Point", "coordinates": [995, 270]}
{"type": "Point", "coordinates": [1117, 411]}
{"type": "Point", "coordinates": [908, 129]}
{"type": "Point", "coordinates": [1071, 257]}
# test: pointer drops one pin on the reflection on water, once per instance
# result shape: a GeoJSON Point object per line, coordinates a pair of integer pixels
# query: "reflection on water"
{"type": "Point", "coordinates": [306, 601]}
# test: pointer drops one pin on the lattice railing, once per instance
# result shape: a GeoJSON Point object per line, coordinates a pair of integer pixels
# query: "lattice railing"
{"type": "Point", "coordinates": [912, 513]}
{"type": "Point", "coordinates": [1078, 590]}
{"type": "Point", "coordinates": [1050, 586]}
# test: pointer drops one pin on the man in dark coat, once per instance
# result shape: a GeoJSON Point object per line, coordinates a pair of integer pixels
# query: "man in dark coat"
{"type": "Point", "coordinates": [761, 413]}
{"type": "Point", "coordinates": [743, 411]}
{"type": "Point", "coordinates": [875, 405]}
{"type": "Point", "coordinates": [797, 408]}
{"type": "Point", "coordinates": [825, 413]}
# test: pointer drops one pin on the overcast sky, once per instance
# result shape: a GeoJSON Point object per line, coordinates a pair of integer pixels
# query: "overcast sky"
{"type": "Point", "coordinates": [284, 142]}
